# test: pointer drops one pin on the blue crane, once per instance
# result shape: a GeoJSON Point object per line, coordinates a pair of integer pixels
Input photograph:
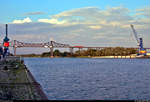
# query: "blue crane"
{"type": "Point", "coordinates": [142, 50]}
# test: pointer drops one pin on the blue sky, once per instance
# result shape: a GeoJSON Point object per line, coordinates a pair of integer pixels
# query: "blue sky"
{"type": "Point", "coordinates": [15, 9]}
{"type": "Point", "coordinates": [76, 22]}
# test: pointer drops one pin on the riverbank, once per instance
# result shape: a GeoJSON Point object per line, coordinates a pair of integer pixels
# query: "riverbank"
{"type": "Point", "coordinates": [113, 57]}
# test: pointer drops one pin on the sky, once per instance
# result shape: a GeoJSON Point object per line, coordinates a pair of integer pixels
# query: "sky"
{"type": "Point", "coordinates": [75, 22]}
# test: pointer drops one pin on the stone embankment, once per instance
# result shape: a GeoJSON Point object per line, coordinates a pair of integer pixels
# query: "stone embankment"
{"type": "Point", "coordinates": [16, 81]}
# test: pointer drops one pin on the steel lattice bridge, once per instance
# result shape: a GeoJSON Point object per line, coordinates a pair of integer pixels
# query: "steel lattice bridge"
{"type": "Point", "coordinates": [51, 44]}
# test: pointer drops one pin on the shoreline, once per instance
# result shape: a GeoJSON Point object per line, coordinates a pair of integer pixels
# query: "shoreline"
{"type": "Point", "coordinates": [104, 57]}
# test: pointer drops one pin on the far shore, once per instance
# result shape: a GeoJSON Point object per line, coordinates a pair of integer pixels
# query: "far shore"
{"type": "Point", "coordinates": [106, 57]}
{"type": "Point", "coordinates": [114, 56]}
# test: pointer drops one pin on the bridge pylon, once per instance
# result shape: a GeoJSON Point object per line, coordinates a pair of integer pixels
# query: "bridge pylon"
{"type": "Point", "coordinates": [51, 49]}
{"type": "Point", "coordinates": [14, 47]}
{"type": "Point", "coordinates": [71, 50]}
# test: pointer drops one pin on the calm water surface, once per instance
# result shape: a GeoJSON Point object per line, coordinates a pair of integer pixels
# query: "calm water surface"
{"type": "Point", "coordinates": [88, 79]}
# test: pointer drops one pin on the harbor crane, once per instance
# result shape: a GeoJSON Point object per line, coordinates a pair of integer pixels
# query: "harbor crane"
{"type": "Point", "coordinates": [142, 50]}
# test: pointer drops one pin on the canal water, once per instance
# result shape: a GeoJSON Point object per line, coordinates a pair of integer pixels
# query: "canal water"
{"type": "Point", "coordinates": [92, 79]}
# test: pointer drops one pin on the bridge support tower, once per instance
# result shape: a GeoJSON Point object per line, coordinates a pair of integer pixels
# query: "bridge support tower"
{"type": "Point", "coordinates": [71, 50]}
{"type": "Point", "coordinates": [80, 51]}
{"type": "Point", "coordinates": [51, 50]}
{"type": "Point", "coordinates": [15, 47]}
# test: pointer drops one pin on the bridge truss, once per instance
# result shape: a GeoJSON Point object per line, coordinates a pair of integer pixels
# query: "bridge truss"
{"type": "Point", "coordinates": [51, 44]}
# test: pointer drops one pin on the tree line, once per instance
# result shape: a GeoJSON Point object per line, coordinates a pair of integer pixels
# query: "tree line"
{"type": "Point", "coordinates": [117, 51]}
{"type": "Point", "coordinates": [111, 51]}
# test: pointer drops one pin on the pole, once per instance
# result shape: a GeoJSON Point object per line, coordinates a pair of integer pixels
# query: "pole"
{"type": "Point", "coordinates": [14, 47]}
{"type": "Point", "coordinates": [6, 30]}
{"type": "Point", "coordinates": [51, 49]}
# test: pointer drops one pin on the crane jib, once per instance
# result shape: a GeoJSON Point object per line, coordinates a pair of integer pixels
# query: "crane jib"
{"type": "Point", "coordinates": [142, 50]}
{"type": "Point", "coordinates": [135, 34]}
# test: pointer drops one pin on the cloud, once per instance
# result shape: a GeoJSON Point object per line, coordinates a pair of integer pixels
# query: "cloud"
{"type": "Point", "coordinates": [90, 15]}
{"type": "Point", "coordinates": [89, 26]}
{"type": "Point", "coordinates": [52, 21]}
{"type": "Point", "coordinates": [95, 27]}
{"type": "Point", "coordinates": [25, 20]}
{"type": "Point", "coordinates": [34, 13]}
{"type": "Point", "coordinates": [93, 17]}
{"type": "Point", "coordinates": [144, 11]}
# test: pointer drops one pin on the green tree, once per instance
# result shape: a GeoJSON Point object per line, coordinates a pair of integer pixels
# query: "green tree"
{"type": "Point", "coordinates": [57, 52]}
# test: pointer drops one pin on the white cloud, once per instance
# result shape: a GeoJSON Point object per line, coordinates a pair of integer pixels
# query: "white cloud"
{"type": "Point", "coordinates": [93, 17]}
{"type": "Point", "coordinates": [144, 11]}
{"type": "Point", "coordinates": [52, 21]}
{"type": "Point", "coordinates": [95, 27]}
{"type": "Point", "coordinates": [90, 15]}
{"type": "Point", "coordinates": [25, 20]}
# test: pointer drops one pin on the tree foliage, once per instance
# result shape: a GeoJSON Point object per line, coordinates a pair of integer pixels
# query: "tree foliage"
{"type": "Point", "coordinates": [117, 51]}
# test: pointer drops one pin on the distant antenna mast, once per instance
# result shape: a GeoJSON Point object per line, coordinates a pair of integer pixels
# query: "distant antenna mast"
{"type": "Point", "coordinates": [6, 39]}
{"type": "Point", "coordinates": [6, 30]}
